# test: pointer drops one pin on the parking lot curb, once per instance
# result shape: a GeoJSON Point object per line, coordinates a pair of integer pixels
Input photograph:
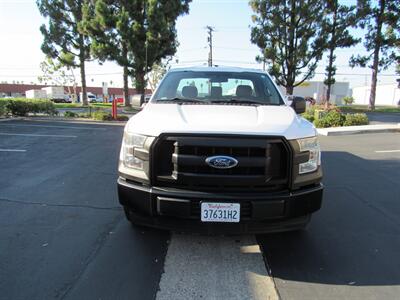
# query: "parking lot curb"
{"type": "Point", "coordinates": [74, 121]}
{"type": "Point", "coordinates": [348, 130]}
{"type": "Point", "coordinates": [10, 119]}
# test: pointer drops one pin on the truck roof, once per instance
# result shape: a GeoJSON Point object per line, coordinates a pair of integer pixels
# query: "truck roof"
{"type": "Point", "coordinates": [216, 69]}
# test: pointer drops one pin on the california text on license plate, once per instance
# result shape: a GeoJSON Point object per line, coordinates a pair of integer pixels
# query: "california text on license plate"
{"type": "Point", "coordinates": [220, 212]}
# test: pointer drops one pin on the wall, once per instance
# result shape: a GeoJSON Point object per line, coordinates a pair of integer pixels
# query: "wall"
{"type": "Point", "coordinates": [387, 94]}
{"type": "Point", "coordinates": [317, 90]}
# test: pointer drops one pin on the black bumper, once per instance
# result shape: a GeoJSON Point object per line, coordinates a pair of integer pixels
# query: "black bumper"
{"type": "Point", "coordinates": [179, 210]}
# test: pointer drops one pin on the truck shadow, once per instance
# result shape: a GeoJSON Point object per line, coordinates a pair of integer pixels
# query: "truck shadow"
{"type": "Point", "coordinates": [355, 238]}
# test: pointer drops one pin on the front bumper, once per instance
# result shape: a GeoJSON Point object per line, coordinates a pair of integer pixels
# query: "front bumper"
{"type": "Point", "coordinates": [178, 210]}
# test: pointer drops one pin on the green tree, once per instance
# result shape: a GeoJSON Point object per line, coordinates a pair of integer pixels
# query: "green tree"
{"type": "Point", "coordinates": [62, 39]}
{"type": "Point", "coordinates": [137, 34]}
{"type": "Point", "coordinates": [107, 23]}
{"type": "Point", "coordinates": [381, 21]}
{"type": "Point", "coordinates": [339, 18]}
{"type": "Point", "coordinates": [398, 58]}
{"type": "Point", "coordinates": [290, 36]}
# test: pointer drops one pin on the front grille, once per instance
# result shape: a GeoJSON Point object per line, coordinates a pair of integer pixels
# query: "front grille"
{"type": "Point", "coordinates": [180, 162]}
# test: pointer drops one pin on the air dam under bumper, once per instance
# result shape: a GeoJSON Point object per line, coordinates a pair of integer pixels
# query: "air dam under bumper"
{"type": "Point", "coordinates": [179, 210]}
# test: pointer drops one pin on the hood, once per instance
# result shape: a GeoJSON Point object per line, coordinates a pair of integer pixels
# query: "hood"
{"type": "Point", "coordinates": [155, 119]}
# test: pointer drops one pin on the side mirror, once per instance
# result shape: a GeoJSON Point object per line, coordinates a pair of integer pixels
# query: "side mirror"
{"type": "Point", "coordinates": [137, 100]}
{"type": "Point", "coordinates": [147, 98]}
{"type": "Point", "coordinates": [298, 104]}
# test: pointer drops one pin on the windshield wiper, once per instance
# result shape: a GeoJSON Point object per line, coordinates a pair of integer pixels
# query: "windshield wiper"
{"type": "Point", "coordinates": [240, 101]}
{"type": "Point", "coordinates": [180, 100]}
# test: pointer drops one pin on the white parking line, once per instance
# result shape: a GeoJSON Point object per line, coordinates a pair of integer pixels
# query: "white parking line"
{"type": "Point", "coordinates": [38, 135]}
{"type": "Point", "coordinates": [203, 267]}
{"type": "Point", "coordinates": [52, 126]}
{"type": "Point", "coordinates": [12, 150]}
{"type": "Point", "coordinates": [387, 151]}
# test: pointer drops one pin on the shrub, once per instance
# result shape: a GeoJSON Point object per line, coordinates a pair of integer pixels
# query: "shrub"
{"type": "Point", "coordinates": [319, 113]}
{"type": "Point", "coordinates": [45, 106]}
{"type": "Point", "coordinates": [22, 106]}
{"type": "Point", "coordinates": [356, 119]}
{"type": "Point", "coordinates": [308, 116]}
{"type": "Point", "coordinates": [85, 115]}
{"type": "Point", "coordinates": [321, 123]}
{"type": "Point", "coordinates": [348, 100]}
{"type": "Point", "coordinates": [102, 116]}
{"type": "Point", "coordinates": [19, 107]}
{"type": "Point", "coordinates": [3, 108]}
{"type": "Point", "coordinates": [70, 114]}
{"type": "Point", "coordinates": [311, 109]}
{"type": "Point", "coordinates": [122, 118]}
{"type": "Point", "coordinates": [334, 118]}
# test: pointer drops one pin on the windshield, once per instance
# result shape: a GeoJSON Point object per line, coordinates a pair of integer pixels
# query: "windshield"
{"type": "Point", "coordinates": [214, 87]}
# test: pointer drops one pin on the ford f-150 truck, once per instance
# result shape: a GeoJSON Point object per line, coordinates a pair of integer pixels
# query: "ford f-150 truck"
{"type": "Point", "coordinates": [219, 149]}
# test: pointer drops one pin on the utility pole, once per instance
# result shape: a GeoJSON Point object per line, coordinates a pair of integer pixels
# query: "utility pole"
{"type": "Point", "coordinates": [146, 26]}
{"type": "Point", "coordinates": [209, 40]}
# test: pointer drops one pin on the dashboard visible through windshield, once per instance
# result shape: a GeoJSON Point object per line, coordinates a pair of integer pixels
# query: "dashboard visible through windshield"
{"type": "Point", "coordinates": [218, 87]}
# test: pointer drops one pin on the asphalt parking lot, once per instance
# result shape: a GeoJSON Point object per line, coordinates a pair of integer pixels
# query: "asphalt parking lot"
{"type": "Point", "coordinates": [62, 231]}
{"type": "Point", "coordinates": [383, 118]}
{"type": "Point", "coordinates": [351, 248]}
{"type": "Point", "coordinates": [63, 234]}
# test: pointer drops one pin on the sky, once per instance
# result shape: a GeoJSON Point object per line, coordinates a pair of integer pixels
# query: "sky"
{"type": "Point", "coordinates": [20, 53]}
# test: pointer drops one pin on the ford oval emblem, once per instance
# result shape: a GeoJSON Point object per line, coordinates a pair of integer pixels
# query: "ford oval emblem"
{"type": "Point", "coordinates": [221, 162]}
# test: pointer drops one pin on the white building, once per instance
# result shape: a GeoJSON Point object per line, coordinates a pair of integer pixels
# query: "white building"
{"type": "Point", "coordinates": [317, 90]}
{"type": "Point", "coordinates": [386, 94]}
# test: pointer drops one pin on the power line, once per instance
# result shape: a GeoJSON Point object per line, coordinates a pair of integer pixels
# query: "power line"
{"type": "Point", "coordinates": [237, 61]}
{"type": "Point", "coordinates": [191, 62]}
{"type": "Point", "coordinates": [237, 49]}
{"type": "Point", "coordinates": [35, 76]}
{"type": "Point", "coordinates": [200, 61]}
{"type": "Point", "coordinates": [192, 49]}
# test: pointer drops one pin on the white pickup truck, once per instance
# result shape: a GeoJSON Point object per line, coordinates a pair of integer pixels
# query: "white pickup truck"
{"type": "Point", "coordinates": [220, 150]}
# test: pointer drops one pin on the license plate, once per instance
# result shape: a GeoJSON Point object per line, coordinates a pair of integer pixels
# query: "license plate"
{"type": "Point", "coordinates": [220, 212]}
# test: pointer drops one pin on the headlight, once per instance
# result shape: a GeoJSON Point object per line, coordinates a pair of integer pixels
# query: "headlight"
{"type": "Point", "coordinates": [314, 160]}
{"type": "Point", "coordinates": [130, 143]}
